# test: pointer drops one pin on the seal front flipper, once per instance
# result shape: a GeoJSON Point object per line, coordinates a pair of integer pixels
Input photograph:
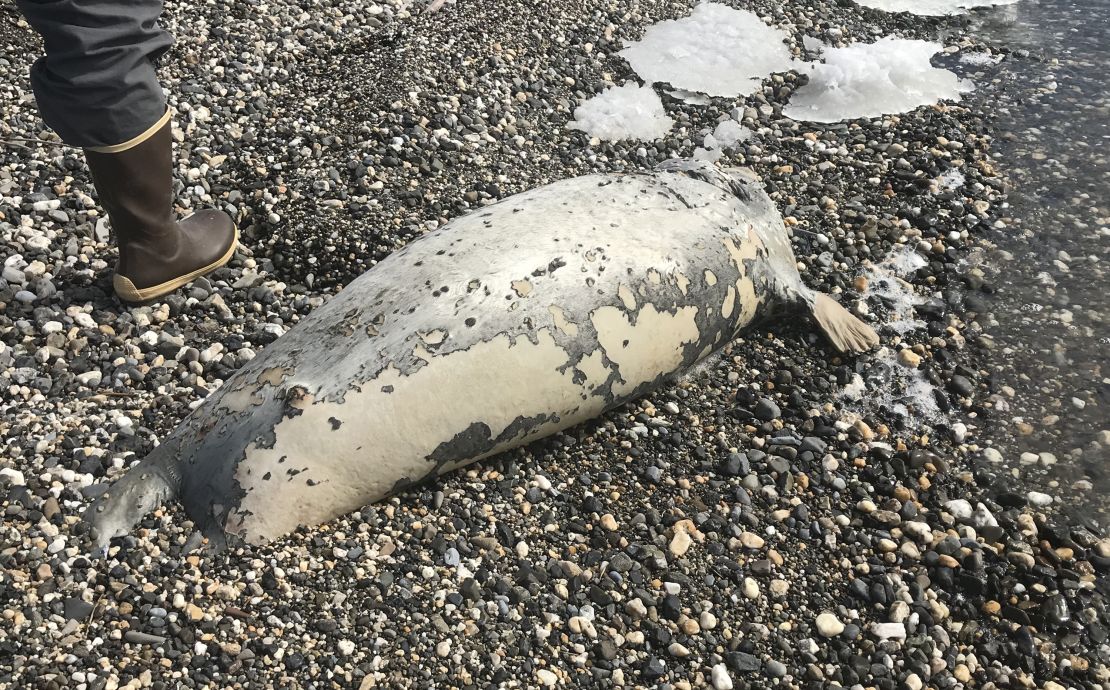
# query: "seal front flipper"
{"type": "Point", "coordinates": [847, 333]}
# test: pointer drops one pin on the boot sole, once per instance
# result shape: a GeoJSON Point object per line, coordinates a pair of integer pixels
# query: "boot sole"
{"type": "Point", "coordinates": [130, 294]}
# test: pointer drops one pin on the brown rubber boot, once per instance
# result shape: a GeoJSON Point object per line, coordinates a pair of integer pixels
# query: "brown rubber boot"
{"type": "Point", "coordinates": [157, 254]}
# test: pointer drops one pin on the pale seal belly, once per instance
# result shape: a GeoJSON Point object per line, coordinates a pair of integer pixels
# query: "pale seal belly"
{"type": "Point", "coordinates": [501, 327]}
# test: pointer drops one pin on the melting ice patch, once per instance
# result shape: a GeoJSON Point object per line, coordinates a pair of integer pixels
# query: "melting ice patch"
{"type": "Point", "coordinates": [725, 136]}
{"type": "Point", "coordinates": [951, 179]}
{"type": "Point", "coordinates": [717, 50]}
{"type": "Point", "coordinates": [623, 112]}
{"type": "Point", "coordinates": [931, 8]}
{"type": "Point", "coordinates": [886, 281]}
{"type": "Point", "coordinates": [980, 58]}
{"type": "Point", "coordinates": [887, 383]}
{"type": "Point", "coordinates": [891, 75]}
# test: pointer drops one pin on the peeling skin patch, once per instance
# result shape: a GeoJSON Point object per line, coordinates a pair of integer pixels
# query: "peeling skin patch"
{"type": "Point", "coordinates": [593, 370]}
{"type": "Point", "coordinates": [576, 346]}
{"type": "Point", "coordinates": [729, 303]}
{"type": "Point", "coordinates": [560, 318]}
{"type": "Point", "coordinates": [710, 278]}
{"type": "Point", "coordinates": [274, 376]}
{"type": "Point", "coordinates": [626, 297]}
{"type": "Point", "coordinates": [682, 281]}
{"type": "Point", "coordinates": [743, 251]}
{"type": "Point", "coordinates": [434, 337]}
{"type": "Point", "coordinates": [522, 287]}
{"type": "Point", "coordinates": [749, 300]}
{"type": "Point", "coordinates": [652, 344]}
{"type": "Point", "coordinates": [525, 382]}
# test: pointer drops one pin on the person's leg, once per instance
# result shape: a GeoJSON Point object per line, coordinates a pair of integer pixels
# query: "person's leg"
{"type": "Point", "coordinates": [98, 89]}
{"type": "Point", "coordinates": [97, 85]}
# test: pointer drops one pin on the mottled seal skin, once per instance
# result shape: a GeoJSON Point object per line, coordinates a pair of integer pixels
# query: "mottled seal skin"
{"type": "Point", "coordinates": [501, 327]}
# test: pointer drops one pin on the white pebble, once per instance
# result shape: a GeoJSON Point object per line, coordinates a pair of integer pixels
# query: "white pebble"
{"type": "Point", "coordinates": [918, 530]}
{"type": "Point", "coordinates": [1038, 499]}
{"type": "Point", "coordinates": [721, 679]}
{"type": "Point", "coordinates": [829, 625]}
{"type": "Point", "coordinates": [677, 650]}
{"type": "Point", "coordinates": [15, 477]}
{"type": "Point", "coordinates": [889, 631]}
{"type": "Point", "coordinates": [547, 678]}
{"type": "Point", "coordinates": [959, 432]}
{"type": "Point", "coordinates": [750, 588]}
{"type": "Point", "coordinates": [680, 543]}
{"type": "Point", "coordinates": [960, 508]}
{"type": "Point", "coordinates": [992, 455]}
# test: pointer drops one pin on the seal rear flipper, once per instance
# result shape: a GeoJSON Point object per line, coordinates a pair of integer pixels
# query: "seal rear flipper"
{"type": "Point", "coordinates": [847, 333]}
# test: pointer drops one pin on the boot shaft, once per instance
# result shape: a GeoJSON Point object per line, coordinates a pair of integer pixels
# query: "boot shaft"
{"type": "Point", "coordinates": [135, 187]}
{"type": "Point", "coordinates": [157, 254]}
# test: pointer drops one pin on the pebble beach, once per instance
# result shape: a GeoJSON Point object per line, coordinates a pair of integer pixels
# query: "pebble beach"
{"type": "Point", "coordinates": [779, 517]}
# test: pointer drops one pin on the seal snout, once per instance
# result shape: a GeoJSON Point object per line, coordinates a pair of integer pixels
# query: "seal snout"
{"type": "Point", "coordinates": [138, 492]}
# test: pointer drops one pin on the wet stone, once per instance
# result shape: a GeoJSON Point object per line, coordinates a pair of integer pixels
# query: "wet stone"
{"type": "Point", "coordinates": [621, 562]}
{"type": "Point", "coordinates": [742, 662]}
{"type": "Point", "coordinates": [765, 409]}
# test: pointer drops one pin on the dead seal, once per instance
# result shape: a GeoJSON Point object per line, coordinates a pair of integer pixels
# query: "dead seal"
{"type": "Point", "coordinates": [501, 327]}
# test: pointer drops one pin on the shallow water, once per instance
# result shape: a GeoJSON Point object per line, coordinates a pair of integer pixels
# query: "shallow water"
{"type": "Point", "coordinates": [1051, 104]}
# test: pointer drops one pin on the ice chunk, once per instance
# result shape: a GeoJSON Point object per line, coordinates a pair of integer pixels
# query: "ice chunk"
{"type": "Point", "coordinates": [729, 133]}
{"type": "Point", "coordinates": [813, 45]}
{"type": "Point", "coordinates": [623, 112]}
{"type": "Point", "coordinates": [726, 135]}
{"type": "Point", "coordinates": [709, 155]}
{"type": "Point", "coordinates": [717, 50]}
{"type": "Point", "coordinates": [951, 179]}
{"type": "Point", "coordinates": [931, 8]}
{"type": "Point", "coordinates": [891, 75]}
{"type": "Point", "coordinates": [980, 58]}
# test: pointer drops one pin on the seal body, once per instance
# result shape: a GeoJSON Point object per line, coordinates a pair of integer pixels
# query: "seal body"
{"type": "Point", "coordinates": [501, 327]}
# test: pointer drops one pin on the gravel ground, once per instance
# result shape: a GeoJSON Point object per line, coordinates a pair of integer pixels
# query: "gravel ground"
{"type": "Point", "coordinates": [747, 527]}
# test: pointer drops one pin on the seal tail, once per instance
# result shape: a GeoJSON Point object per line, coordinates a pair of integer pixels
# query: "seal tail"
{"type": "Point", "coordinates": [847, 333]}
{"type": "Point", "coordinates": [143, 488]}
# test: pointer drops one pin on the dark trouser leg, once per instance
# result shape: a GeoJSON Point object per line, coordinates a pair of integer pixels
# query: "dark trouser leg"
{"type": "Point", "coordinates": [97, 86]}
